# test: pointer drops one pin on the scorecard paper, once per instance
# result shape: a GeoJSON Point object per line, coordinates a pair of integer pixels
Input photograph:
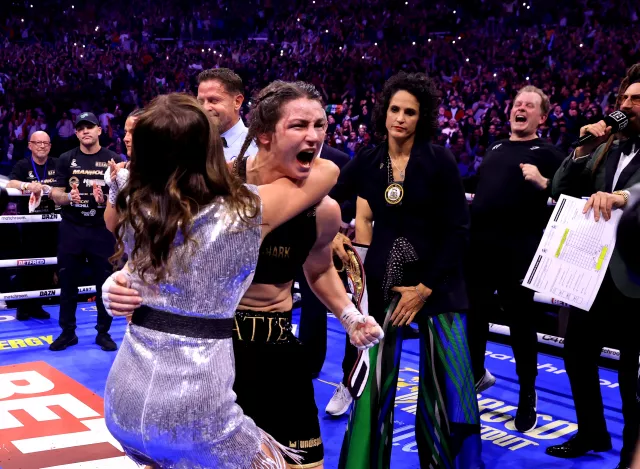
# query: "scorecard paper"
{"type": "Point", "coordinates": [573, 255]}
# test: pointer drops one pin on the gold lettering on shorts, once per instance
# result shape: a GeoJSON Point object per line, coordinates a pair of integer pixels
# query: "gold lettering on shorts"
{"type": "Point", "coordinates": [237, 328]}
{"type": "Point", "coordinates": [282, 329]}
{"type": "Point", "coordinates": [269, 336]}
{"type": "Point", "coordinates": [305, 444]}
{"type": "Point", "coordinates": [253, 334]}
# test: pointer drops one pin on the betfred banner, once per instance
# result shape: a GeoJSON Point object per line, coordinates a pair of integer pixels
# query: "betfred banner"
{"type": "Point", "coordinates": [49, 421]}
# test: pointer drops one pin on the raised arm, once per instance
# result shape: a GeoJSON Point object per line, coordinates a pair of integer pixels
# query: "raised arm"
{"type": "Point", "coordinates": [283, 199]}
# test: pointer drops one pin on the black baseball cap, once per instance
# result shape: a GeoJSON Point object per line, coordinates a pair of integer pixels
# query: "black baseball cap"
{"type": "Point", "coordinates": [86, 117]}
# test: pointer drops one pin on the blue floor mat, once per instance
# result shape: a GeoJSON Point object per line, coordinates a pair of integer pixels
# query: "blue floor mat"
{"type": "Point", "coordinates": [503, 447]}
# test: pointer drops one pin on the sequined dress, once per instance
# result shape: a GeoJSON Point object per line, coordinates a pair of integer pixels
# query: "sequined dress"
{"type": "Point", "coordinates": [169, 398]}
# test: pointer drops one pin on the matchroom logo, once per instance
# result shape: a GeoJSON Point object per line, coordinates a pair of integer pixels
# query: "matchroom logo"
{"type": "Point", "coordinates": [49, 421]}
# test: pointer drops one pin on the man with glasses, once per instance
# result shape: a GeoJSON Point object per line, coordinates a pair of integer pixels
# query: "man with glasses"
{"type": "Point", "coordinates": [604, 169]}
{"type": "Point", "coordinates": [34, 176]}
{"type": "Point", "coordinates": [83, 235]}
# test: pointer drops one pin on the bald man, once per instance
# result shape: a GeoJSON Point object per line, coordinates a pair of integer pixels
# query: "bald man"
{"type": "Point", "coordinates": [35, 175]}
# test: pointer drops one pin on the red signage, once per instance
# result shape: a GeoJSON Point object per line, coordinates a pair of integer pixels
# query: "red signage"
{"type": "Point", "coordinates": [48, 420]}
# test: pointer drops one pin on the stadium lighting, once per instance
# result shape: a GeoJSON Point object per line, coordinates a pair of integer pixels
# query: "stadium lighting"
{"type": "Point", "coordinates": [581, 45]}
{"type": "Point", "coordinates": [375, 43]}
{"type": "Point", "coordinates": [326, 30]}
{"type": "Point", "coordinates": [453, 42]}
{"type": "Point", "coordinates": [495, 74]}
{"type": "Point", "coordinates": [467, 59]}
{"type": "Point", "coordinates": [72, 7]}
{"type": "Point", "coordinates": [454, 11]}
{"type": "Point", "coordinates": [528, 7]}
{"type": "Point", "coordinates": [83, 46]}
{"type": "Point", "coordinates": [31, 6]}
{"type": "Point", "coordinates": [527, 78]}
{"type": "Point", "coordinates": [429, 40]}
{"type": "Point", "coordinates": [97, 27]}
{"type": "Point", "coordinates": [202, 50]}
{"type": "Point", "coordinates": [414, 43]}
{"type": "Point", "coordinates": [298, 20]}
{"type": "Point", "coordinates": [75, 44]}
{"type": "Point", "coordinates": [22, 20]}
{"type": "Point", "coordinates": [81, 56]}
{"type": "Point", "coordinates": [459, 38]}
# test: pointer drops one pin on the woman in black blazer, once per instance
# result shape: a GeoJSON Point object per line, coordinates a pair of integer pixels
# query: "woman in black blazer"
{"type": "Point", "coordinates": [412, 212]}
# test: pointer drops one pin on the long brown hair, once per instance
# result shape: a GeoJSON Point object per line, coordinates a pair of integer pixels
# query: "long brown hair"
{"type": "Point", "coordinates": [177, 167]}
{"type": "Point", "coordinates": [633, 76]}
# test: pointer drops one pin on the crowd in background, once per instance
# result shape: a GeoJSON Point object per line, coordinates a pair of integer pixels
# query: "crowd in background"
{"type": "Point", "coordinates": [61, 57]}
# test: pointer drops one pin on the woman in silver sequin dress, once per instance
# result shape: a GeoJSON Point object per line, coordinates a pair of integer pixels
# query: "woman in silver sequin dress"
{"type": "Point", "coordinates": [192, 234]}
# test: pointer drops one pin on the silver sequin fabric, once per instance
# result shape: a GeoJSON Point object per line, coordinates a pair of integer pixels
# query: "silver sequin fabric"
{"type": "Point", "coordinates": [169, 399]}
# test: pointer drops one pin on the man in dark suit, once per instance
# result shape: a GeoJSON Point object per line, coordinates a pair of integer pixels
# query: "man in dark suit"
{"type": "Point", "coordinates": [313, 316]}
{"type": "Point", "coordinates": [604, 169]}
{"type": "Point", "coordinates": [629, 234]}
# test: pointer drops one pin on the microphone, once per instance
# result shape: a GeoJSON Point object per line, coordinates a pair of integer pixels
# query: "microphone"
{"type": "Point", "coordinates": [617, 120]}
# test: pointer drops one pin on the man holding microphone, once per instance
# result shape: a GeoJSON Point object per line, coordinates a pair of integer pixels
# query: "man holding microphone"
{"type": "Point", "coordinates": [83, 236]}
{"type": "Point", "coordinates": [604, 169]}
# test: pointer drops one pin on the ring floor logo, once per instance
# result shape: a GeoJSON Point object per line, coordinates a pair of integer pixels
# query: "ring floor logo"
{"type": "Point", "coordinates": [49, 421]}
{"type": "Point", "coordinates": [496, 419]}
{"type": "Point", "coordinates": [502, 443]}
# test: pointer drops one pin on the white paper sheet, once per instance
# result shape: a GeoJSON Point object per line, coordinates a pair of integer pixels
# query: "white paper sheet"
{"type": "Point", "coordinates": [573, 255]}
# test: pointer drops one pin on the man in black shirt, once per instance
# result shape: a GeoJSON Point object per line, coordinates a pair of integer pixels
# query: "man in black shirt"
{"type": "Point", "coordinates": [35, 175]}
{"type": "Point", "coordinates": [508, 215]}
{"type": "Point", "coordinates": [83, 234]}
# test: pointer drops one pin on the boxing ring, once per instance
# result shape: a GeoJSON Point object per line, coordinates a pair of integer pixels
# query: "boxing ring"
{"type": "Point", "coordinates": [546, 339]}
{"type": "Point", "coordinates": [71, 434]}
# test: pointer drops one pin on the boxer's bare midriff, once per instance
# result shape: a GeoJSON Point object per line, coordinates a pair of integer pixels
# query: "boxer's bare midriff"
{"type": "Point", "coordinates": [266, 297]}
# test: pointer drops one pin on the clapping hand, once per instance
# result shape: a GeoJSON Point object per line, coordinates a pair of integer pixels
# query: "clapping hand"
{"type": "Point", "coordinates": [75, 194]}
{"type": "Point", "coordinates": [97, 193]}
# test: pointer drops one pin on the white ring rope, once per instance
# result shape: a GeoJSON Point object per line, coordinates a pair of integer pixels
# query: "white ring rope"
{"type": "Point", "coordinates": [28, 262]}
{"type": "Point", "coordinates": [470, 197]}
{"type": "Point", "coordinates": [40, 218]}
{"type": "Point", "coordinates": [29, 295]}
{"type": "Point", "coordinates": [555, 341]}
{"type": "Point", "coordinates": [18, 193]}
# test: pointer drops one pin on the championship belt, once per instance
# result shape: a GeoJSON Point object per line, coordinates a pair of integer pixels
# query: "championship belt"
{"type": "Point", "coordinates": [356, 285]}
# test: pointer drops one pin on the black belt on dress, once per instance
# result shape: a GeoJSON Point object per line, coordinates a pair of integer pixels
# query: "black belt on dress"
{"type": "Point", "coordinates": [189, 326]}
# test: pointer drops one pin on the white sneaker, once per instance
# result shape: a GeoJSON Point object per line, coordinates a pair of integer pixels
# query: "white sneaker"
{"type": "Point", "coordinates": [340, 402]}
{"type": "Point", "coordinates": [486, 382]}
{"type": "Point", "coordinates": [3, 305]}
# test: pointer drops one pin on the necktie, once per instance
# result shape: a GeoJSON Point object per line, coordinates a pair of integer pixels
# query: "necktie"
{"type": "Point", "coordinates": [224, 142]}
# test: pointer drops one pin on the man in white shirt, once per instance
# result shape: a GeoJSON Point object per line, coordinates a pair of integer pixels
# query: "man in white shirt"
{"type": "Point", "coordinates": [221, 93]}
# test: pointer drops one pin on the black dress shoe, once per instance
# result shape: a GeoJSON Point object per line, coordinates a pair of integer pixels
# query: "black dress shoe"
{"type": "Point", "coordinates": [66, 339]}
{"type": "Point", "coordinates": [22, 314]}
{"type": "Point", "coordinates": [107, 344]}
{"type": "Point", "coordinates": [39, 313]}
{"type": "Point", "coordinates": [526, 416]}
{"type": "Point", "coordinates": [578, 446]}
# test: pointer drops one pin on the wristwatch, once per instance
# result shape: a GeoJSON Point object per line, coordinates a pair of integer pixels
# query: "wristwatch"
{"type": "Point", "coordinates": [23, 186]}
{"type": "Point", "coordinates": [625, 195]}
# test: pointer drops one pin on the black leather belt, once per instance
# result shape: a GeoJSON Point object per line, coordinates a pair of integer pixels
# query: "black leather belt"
{"type": "Point", "coordinates": [188, 326]}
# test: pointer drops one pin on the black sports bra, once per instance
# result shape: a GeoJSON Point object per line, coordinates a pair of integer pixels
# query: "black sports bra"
{"type": "Point", "coordinates": [285, 249]}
